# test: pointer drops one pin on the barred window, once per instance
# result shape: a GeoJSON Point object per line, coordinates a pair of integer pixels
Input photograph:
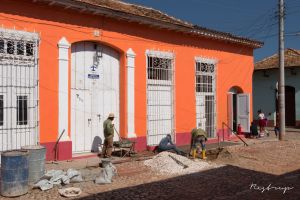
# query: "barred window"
{"type": "Point", "coordinates": [10, 47]}
{"type": "Point", "coordinates": [1, 110]}
{"type": "Point", "coordinates": [204, 83]}
{"type": "Point", "coordinates": [29, 49]}
{"type": "Point", "coordinates": [20, 48]}
{"type": "Point", "coordinates": [1, 46]}
{"type": "Point", "coordinates": [17, 47]}
{"type": "Point", "coordinates": [204, 77]}
{"type": "Point", "coordinates": [205, 67]}
{"type": "Point", "coordinates": [159, 68]}
{"type": "Point", "coordinates": [22, 110]}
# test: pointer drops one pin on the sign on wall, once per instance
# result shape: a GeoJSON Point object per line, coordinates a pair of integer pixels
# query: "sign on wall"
{"type": "Point", "coordinates": [93, 72]}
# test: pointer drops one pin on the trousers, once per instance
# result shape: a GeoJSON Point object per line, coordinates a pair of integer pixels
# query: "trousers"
{"type": "Point", "coordinates": [108, 145]}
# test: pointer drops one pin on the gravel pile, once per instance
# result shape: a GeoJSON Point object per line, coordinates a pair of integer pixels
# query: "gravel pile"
{"type": "Point", "coordinates": [165, 164]}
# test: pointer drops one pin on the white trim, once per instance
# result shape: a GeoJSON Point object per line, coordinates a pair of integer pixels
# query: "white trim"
{"type": "Point", "coordinates": [206, 60]}
{"type": "Point", "coordinates": [63, 88]}
{"type": "Point", "coordinates": [130, 93]}
{"type": "Point", "coordinates": [16, 34]}
{"type": "Point", "coordinates": [160, 54]}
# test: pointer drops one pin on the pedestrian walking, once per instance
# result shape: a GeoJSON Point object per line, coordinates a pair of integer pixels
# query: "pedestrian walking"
{"type": "Point", "coordinates": [198, 138]}
{"type": "Point", "coordinates": [108, 129]}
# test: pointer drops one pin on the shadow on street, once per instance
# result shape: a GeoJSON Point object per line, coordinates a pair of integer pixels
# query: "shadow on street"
{"type": "Point", "coordinates": [227, 182]}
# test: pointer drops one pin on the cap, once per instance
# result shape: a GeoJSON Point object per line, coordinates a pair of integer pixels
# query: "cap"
{"type": "Point", "coordinates": [111, 115]}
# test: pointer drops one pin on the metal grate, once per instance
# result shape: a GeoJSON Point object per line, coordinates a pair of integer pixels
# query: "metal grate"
{"type": "Point", "coordinates": [206, 95]}
{"type": "Point", "coordinates": [160, 96]}
{"type": "Point", "coordinates": [18, 89]}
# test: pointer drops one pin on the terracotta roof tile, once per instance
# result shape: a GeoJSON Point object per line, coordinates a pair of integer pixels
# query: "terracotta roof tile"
{"type": "Point", "coordinates": [292, 59]}
{"type": "Point", "coordinates": [145, 15]}
{"type": "Point", "coordinates": [136, 10]}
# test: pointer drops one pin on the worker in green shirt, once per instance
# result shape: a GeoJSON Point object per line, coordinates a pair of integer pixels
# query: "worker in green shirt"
{"type": "Point", "coordinates": [108, 128]}
{"type": "Point", "coordinates": [199, 137]}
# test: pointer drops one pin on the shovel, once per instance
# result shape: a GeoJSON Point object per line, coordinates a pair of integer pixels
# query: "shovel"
{"type": "Point", "coordinates": [179, 162]}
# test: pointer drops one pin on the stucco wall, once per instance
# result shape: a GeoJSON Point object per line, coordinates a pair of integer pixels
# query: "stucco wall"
{"type": "Point", "coordinates": [234, 67]}
{"type": "Point", "coordinates": [264, 90]}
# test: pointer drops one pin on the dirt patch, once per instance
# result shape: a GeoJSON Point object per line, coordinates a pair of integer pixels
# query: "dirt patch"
{"type": "Point", "coordinates": [275, 157]}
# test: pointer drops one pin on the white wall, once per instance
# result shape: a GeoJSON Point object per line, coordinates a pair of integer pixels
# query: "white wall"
{"type": "Point", "coordinates": [264, 90]}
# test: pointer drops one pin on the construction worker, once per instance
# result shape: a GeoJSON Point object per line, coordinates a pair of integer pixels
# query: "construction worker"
{"type": "Point", "coordinates": [108, 128]}
{"type": "Point", "coordinates": [166, 144]}
{"type": "Point", "coordinates": [198, 137]}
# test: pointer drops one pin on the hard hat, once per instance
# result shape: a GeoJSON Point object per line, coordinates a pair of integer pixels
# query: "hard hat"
{"type": "Point", "coordinates": [111, 115]}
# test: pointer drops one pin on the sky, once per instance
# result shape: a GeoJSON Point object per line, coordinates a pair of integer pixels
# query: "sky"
{"type": "Point", "coordinates": [254, 19]}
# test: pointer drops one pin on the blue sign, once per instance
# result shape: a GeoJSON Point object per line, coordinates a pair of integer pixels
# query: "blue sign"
{"type": "Point", "coordinates": [93, 68]}
{"type": "Point", "coordinates": [93, 76]}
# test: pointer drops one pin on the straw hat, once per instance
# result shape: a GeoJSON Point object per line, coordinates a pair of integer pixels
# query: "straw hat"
{"type": "Point", "coordinates": [111, 115]}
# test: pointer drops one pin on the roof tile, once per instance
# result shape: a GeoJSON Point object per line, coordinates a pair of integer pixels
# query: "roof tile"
{"type": "Point", "coordinates": [292, 59]}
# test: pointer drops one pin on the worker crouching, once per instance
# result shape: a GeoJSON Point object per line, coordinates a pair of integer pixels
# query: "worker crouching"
{"type": "Point", "coordinates": [198, 140]}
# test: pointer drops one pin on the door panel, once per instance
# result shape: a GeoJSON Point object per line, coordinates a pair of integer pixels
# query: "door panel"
{"type": "Point", "coordinates": [290, 111]}
{"type": "Point", "coordinates": [230, 110]}
{"type": "Point", "coordinates": [243, 114]}
{"type": "Point", "coordinates": [95, 78]}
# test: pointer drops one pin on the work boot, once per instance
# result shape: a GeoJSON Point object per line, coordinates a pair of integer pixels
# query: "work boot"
{"type": "Point", "coordinates": [194, 153]}
{"type": "Point", "coordinates": [204, 154]}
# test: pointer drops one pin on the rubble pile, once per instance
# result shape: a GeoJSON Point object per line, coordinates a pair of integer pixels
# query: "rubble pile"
{"type": "Point", "coordinates": [58, 177]}
{"type": "Point", "coordinates": [170, 163]}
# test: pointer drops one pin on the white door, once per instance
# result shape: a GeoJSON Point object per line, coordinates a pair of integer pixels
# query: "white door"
{"type": "Point", "coordinates": [243, 111]}
{"type": "Point", "coordinates": [94, 91]}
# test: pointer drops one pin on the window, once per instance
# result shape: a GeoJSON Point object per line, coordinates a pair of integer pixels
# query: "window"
{"type": "Point", "coordinates": [159, 68]}
{"type": "Point", "coordinates": [203, 83]}
{"type": "Point", "coordinates": [20, 48]}
{"type": "Point", "coordinates": [29, 49]}
{"type": "Point", "coordinates": [206, 95]}
{"type": "Point", "coordinates": [22, 110]}
{"type": "Point", "coordinates": [1, 46]}
{"type": "Point", "coordinates": [204, 77]}
{"type": "Point", "coordinates": [205, 67]}
{"type": "Point", "coordinates": [10, 47]}
{"type": "Point", "coordinates": [1, 110]}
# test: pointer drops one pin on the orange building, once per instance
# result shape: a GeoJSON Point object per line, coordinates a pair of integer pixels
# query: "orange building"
{"type": "Point", "coordinates": [66, 64]}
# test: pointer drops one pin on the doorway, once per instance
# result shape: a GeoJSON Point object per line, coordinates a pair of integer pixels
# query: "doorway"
{"type": "Point", "coordinates": [238, 109]}
{"type": "Point", "coordinates": [290, 114]}
{"type": "Point", "coordinates": [94, 93]}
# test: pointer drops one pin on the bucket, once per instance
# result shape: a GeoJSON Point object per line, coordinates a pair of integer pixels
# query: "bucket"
{"type": "Point", "coordinates": [36, 162]}
{"type": "Point", "coordinates": [14, 173]}
{"type": "Point", "coordinates": [105, 162]}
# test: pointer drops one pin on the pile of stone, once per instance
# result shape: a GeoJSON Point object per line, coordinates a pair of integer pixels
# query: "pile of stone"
{"type": "Point", "coordinates": [58, 177]}
{"type": "Point", "coordinates": [170, 163]}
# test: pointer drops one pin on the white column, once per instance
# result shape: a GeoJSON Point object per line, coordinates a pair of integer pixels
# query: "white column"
{"type": "Point", "coordinates": [130, 93]}
{"type": "Point", "coordinates": [63, 88]}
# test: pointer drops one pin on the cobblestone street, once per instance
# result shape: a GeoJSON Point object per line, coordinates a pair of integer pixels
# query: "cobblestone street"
{"type": "Point", "coordinates": [243, 173]}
